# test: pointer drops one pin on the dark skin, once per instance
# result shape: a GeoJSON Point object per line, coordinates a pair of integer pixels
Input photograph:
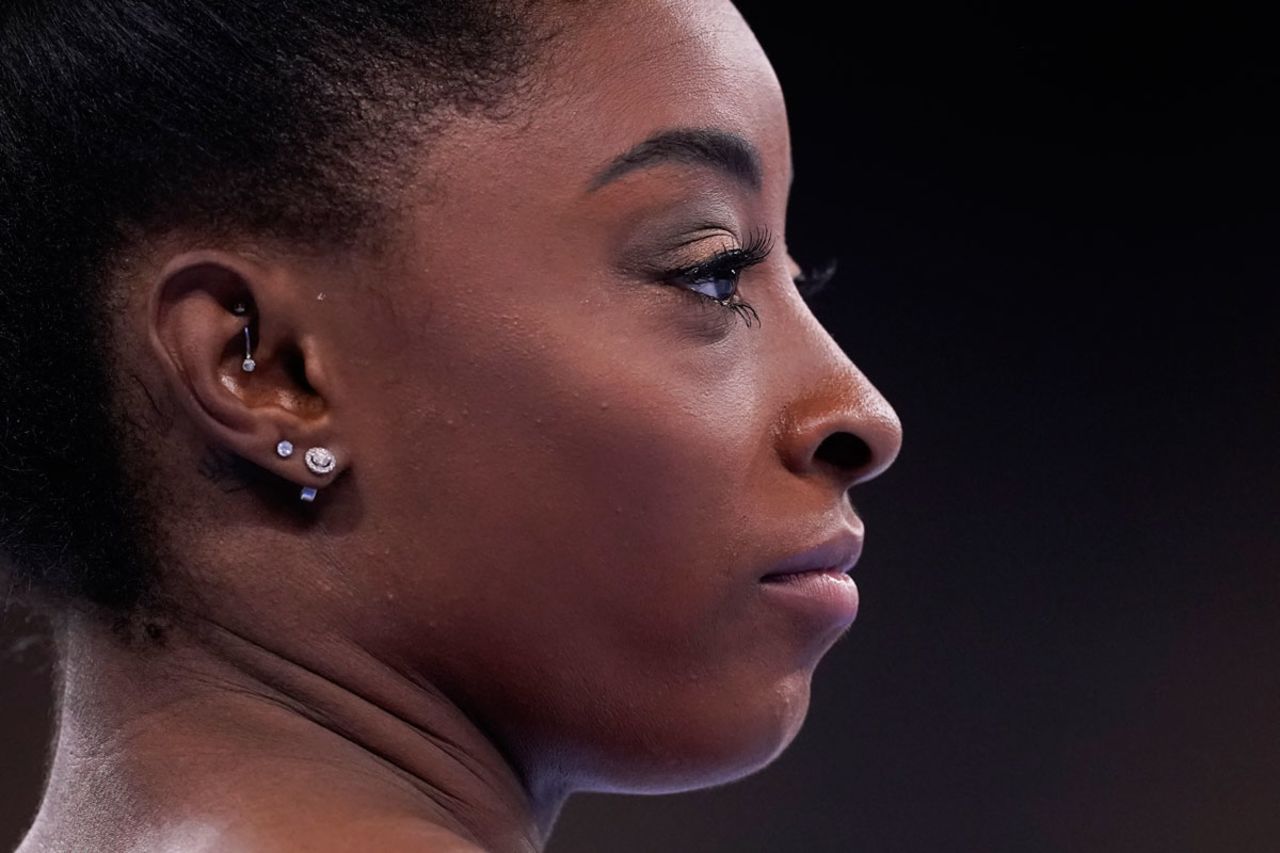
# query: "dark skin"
{"type": "Point", "coordinates": [535, 568]}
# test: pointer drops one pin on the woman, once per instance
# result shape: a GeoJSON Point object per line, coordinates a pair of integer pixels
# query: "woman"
{"type": "Point", "coordinates": [405, 403]}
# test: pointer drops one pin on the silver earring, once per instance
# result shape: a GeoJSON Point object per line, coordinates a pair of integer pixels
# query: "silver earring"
{"type": "Point", "coordinates": [284, 449]}
{"type": "Point", "coordinates": [320, 460]}
{"type": "Point", "coordinates": [249, 364]}
{"type": "Point", "coordinates": [308, 493]}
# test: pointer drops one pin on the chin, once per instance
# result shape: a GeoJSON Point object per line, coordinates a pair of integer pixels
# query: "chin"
{"type": "Point", "coordinates": [716, 742]}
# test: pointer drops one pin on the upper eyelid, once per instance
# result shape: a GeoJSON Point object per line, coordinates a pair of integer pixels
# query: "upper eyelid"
{"type": "Point", "coordinates": [728, 249]}
{"type": "Point", "coordinates": [738, 255]}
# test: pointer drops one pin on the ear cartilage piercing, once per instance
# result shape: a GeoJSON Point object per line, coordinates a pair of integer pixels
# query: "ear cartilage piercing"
{"type": "Point", "coordinates": [308, 493]}
{"type": "Point", "coordinates": [239, 308]}
{"type": "Point", "coordinates": [320, 460]}
{"type": "Point", "coordinates": [284, 449]}
{"type": "Point", "coordinates": [249, 364]}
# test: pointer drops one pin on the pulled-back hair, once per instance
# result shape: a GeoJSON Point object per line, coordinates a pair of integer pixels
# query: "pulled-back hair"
{"type": "Point", "coordinates": [122, 119]}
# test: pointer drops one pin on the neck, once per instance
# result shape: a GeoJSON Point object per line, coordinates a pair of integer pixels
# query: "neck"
{"type": "Point", "coordinates": [213, 727]}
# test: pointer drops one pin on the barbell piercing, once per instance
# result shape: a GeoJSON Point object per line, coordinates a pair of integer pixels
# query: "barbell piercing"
{"type": "Point", "coordinates": [249, 364]}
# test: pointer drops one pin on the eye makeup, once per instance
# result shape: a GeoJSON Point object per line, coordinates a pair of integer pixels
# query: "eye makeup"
{"type": "Point", "coordinates": [726, 266]}
{"type": "Point", "coordinates": [701, 253]}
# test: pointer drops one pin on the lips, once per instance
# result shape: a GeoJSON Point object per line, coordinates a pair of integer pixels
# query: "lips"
{"type": "Point", "coordinates": [838, 553]}
{"type": "Point", "coordinates": [776, 577]}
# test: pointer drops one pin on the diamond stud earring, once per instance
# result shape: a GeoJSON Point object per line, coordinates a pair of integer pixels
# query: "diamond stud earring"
{"type": "Point", "coordinates": [284, 449]}
{"type": "Point", "coordinates": [320, 460]}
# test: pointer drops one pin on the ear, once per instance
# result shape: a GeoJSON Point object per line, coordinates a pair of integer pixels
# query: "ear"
{"type": "Point", "coordinates": [196, 331]}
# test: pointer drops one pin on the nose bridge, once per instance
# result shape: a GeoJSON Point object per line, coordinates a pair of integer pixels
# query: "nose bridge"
{"type": "Point", "coordinates": [835, 421]}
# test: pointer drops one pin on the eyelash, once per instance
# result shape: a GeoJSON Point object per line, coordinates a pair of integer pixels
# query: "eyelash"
{"type": "Point", "coordinates": [730, 263]}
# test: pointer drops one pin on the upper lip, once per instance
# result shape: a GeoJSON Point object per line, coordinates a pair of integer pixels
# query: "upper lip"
{"type": "Point", "coordinates": [838, 552]}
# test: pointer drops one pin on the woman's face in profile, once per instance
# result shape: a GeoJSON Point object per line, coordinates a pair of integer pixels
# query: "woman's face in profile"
{"type": "Point", "coordinates": [574, 466]}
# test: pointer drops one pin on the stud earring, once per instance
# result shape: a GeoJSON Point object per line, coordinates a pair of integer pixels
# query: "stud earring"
{"type": "Point", "coordinates": [308, 494]}
{"type": "Point", "coordinates": [284, 449]}
{"type": "Point", "coordinates": [320, 460]}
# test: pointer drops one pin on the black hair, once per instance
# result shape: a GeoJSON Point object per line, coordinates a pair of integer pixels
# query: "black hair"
{"type": "Point", "coordinates": [120, 119]}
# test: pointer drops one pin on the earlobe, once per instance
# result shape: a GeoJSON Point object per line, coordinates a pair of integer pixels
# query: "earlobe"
{"type": "Point", "coordinates": [221, 326]}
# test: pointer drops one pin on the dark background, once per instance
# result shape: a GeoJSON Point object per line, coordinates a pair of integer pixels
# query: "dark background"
{"type": "Point", "coordinates": [1055, 226]}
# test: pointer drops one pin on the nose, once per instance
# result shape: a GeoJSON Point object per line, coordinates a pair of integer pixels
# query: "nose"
{"type": "Point", "coordinates": [843, 429]}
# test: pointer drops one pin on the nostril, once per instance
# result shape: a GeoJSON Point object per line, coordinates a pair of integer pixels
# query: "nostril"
{"type": "Point", "coordinates": [845, 451]}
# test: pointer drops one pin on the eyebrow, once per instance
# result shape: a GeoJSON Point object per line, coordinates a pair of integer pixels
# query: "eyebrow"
{"type": "Point", "coordinates": [722, 150]}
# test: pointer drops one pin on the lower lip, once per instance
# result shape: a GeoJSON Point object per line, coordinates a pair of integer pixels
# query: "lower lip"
{"type": "Point", "coordinates": [830, 596]}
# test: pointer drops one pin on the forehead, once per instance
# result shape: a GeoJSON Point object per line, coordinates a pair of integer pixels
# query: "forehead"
{"type": "Point", "coordinates": [617, 76]}
{"type": "Point", "coordinates": [669, 61]}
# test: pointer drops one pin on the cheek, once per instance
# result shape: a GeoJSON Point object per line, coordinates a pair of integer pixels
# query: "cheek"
{"type": "Point", "coordinates": [611, 493]}
{"type": "Point", "coordinates": [616, 613]}
{"type": "Point", "coordinates": [577, 548]}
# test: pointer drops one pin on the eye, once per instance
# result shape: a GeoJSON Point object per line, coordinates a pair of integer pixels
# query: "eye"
{"type": "Point", "coordinates": [719, 285]}
{"type": "Point", "coordinates": [715, 280]}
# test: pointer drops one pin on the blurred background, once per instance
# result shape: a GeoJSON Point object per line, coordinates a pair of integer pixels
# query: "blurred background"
{"type": "Point", "coordinates": [1056, 232]}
